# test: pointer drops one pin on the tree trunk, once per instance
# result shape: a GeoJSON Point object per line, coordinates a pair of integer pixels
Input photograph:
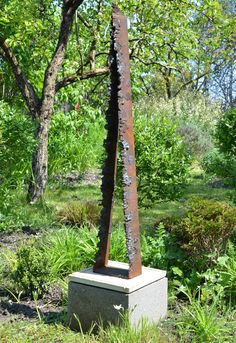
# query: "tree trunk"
{"type": "Point", "coordinates": [39, 176]}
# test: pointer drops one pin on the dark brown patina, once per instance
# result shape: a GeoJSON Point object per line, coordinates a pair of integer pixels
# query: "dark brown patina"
{"type": "Point", "coordinates": [119, 127]}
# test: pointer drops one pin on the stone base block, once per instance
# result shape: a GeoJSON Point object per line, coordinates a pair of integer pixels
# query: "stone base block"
{"type": "Point", "coordinates": [95, 298]}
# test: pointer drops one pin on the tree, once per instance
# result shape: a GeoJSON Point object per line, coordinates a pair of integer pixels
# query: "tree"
{"type": "Point", "coordinates": [41, 107]}
{"type": "Point", "coordinates": [223, 80]}
{"type": "Point", "coordinates": [178, 42]}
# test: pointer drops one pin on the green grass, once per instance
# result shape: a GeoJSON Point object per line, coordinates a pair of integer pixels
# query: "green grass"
{"type": "Point", "coordinates": [44, 214]}
{"type": "Point", "coordinates": [37, 331]}
{"type": "Point", "coordinates": [205, 321]}
{"type": "Point", "coordinates": [195, 322]}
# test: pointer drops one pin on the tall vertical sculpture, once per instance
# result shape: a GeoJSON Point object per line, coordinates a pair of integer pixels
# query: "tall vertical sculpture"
{"type": "Point", "coordinates": [120, 128]}
{"type": "Point", "coordinates": [140, 291]}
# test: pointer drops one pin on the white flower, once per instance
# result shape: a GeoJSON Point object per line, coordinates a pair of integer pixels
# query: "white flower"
{"type": "Point", "coordinates": [118, 307]}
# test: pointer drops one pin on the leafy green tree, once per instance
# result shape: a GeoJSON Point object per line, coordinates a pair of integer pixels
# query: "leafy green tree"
{"type": "Point", "coordinates": [168, 49]}
{"type": "Point", "coordinates": [176, 43]}
{"type": "Point", "coordinates": [30, 44]}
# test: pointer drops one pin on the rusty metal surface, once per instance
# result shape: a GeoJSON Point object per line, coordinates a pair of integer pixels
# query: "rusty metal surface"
{"type": "Point", "coordinates": [109, 169]}
{"type": "Point", "coordinates": [119, 122]}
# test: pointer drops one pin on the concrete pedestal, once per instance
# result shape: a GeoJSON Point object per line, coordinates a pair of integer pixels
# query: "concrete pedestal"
{"type": "Point", "coordinates": [96, 297]}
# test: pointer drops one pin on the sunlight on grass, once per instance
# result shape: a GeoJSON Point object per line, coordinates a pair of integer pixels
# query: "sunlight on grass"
{"type": "Point", "coordinates": [44, 214]}
{"type": "Point", "coordinates": [27, 332]}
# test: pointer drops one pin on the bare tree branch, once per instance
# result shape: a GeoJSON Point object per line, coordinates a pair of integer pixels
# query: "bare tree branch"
{"type": "Point", "coordinates": [86, 24]}
{"type": "Point", "coordinates": [160, 64]}
{"type": "Point", "coordinates": [68, 80]}
{"type": "Point", "coordinates": [191, 81]}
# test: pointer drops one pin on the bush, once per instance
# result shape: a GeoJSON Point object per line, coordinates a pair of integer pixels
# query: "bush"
{"type": "Point", "coordinates": [157, 248]}
{"type": "Point", "coordinates": [28, 269]}
{"type": "Point", "coordinates": [188, 107]}
{"type": "Point", "coordinates": [75, 142]}
{"type": "Point", "coordinates": [196, 139]}
{"type": "Point", "coordinates": [219, 164]}
{"type": "Point", "coordinates": [16, 145]}
{"type": "Point", "coordinates": [78, 214]}
{"type": "Point", "coordinates": [204, 230]}
{"type": "Point", "coordinates": [161, 158]}
{"type": "Point", "coordinates": [226, 132]}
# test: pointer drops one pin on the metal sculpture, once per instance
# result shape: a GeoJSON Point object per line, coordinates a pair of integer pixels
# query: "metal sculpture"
{"type": "Point", "coordinates": [120, 128]}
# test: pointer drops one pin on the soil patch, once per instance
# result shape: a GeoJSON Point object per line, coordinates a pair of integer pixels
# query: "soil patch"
{"type": "Point", "coordinates": [26, 310]}
{"type": "Point", "coordinates": [12, 239]}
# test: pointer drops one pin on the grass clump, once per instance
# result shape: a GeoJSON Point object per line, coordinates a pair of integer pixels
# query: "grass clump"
{"type": "Point", "coordinates": [50, 258]}
{"type": "Point", "coordinates": [202, 322]}
{"type": "Point", "coordinates": [70, 250]}
{"type": "Point", "coordinates": [39, 263]}
{"type": "Point", "coordinates": [78, 214]}
{"type": "Point", "coordinates": [126, 333]}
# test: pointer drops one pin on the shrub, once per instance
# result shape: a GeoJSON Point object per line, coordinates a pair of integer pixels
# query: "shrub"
{"type": "Point", "coordinates": [204, 230]}
{"type": "Point", "coordinates": [188, 107]}
{"type": "Point", "coordinates": [226, 132]}
{"type": "Point", "coordinates": [16, 145]}
{"type": "Point", "coordinates": [78, 214]}
{"type": "Point", "coordinates": [28, 269]}
{"type": "Point", "coordinates": [219, 164]}
{"type": "Point", "coordinates": [75, 141]}
{"type": "Point", "coordinates": [155, 248]}
{"type": "Point", "coordinates": [197, 139]}
{"type": "Point", "coordinates": [161, 158]}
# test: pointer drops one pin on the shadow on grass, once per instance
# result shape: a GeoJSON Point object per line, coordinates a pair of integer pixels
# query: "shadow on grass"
{"type": "Point", "coordinates": [27, 310]}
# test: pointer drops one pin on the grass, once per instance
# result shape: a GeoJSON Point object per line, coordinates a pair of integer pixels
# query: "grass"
{"type": "Point", "coordinates": [44, 214]}
{"type": "Point", "coordinates": [205, 321]}
{"type": "Point", "coordinates": [27, 332]}
{"type": "Point", "coordinates": [31, 331]}
{"type": "Point", "coordinates": [194, 323]}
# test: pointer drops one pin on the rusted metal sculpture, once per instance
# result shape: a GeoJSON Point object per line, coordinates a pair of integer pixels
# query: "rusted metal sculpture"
{"type": "Point", "coordinates": [120, 127]}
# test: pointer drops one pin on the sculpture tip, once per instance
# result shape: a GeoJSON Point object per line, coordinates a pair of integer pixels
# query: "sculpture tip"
{"type": "Point", "coordinates": [115, 8]}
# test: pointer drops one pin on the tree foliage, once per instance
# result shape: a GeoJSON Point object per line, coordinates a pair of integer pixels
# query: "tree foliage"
{"type": "Point", "coordinates": [56, 44]}
{"type": "Point", "coordinates": [161, 157]}
{"type": "Point", "coordinates": [226, 132]}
